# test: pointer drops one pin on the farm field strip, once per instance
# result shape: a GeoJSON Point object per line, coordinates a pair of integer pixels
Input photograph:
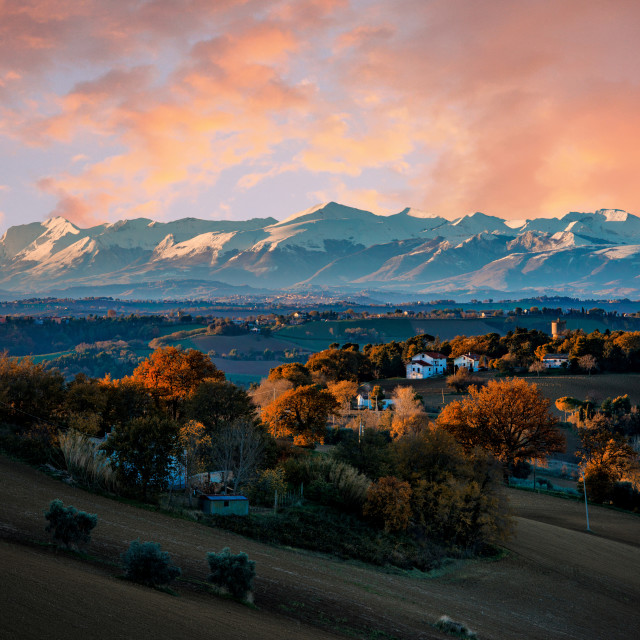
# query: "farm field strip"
{"type": "Point", "coordinates": [558, 581]}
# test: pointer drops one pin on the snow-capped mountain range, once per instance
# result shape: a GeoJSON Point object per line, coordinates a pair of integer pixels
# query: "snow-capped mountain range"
{"type": "Point", "coordinates": [337, 247]}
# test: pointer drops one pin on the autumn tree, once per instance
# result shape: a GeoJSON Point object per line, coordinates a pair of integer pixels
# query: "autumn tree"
{"type": "Point", "coordinates": [389, 503]}
{"type": "Point", "coordinates": [296, 373]}
{"type": "Point", "coordinates": [171, 375]}
{"type": "Point", "coordinates": [333, 365]}
{"type": "Point", "coordinates": [343, 392]}
{"type": "Point", "coordinates": [301, 413]}
{"type": "Point", "coordinates": [85, 403]}
{"type": "Point", "coordinates": [509, 418]}
{"type": "Point", "coordinates": [568, 405]}
{"type": "Point", "coordinates": [456, 496]}
{"type": "Point", "coordinates": [408, 412]}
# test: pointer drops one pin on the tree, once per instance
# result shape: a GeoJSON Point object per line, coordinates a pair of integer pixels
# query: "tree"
{"type": "Point", "coordinates": [455, 495]}
{"type": "Point", "coordinates": [301, 413]}
{"type": "Point", "coordinates": [142, 451]}
{"type": "Point", "coordinates": [195, 448]}
{"type": "Point", "coordinates": [233, 572]}
{"type": "Point", "coordinates": [29, 393]}
{"type": "Point", "coordinates": [368, 452]}
{"type": "Point", "coordinates": [389, 502]}
{"type": "Point", "coordinates": [171, 375]}
{"type": "Point", "coordinates": [297, 374]}
{"type": "Point", "coordinates": [146, 563]}
{"type": "Point", "coordinates": [268, 391]}
{"type": "Point", "coordinates": [333, 365]}
{"type": "Point", "coordinates": [68, 526]}
{"type": "Point", "coordinates": [237, 450]}
{"type": "Point", "coordinates": [588, 363]}
{"type": "Point", "coordinates": [462, 379]}
{"type": "Point", "coordinates": [537, 367]}
{"type": "Point", "coordinates": [568, 405]}
{"type": "Point", "coordinates": [510, 418]}
{"type": "Point", "coordinates": [601, 447]}
{"type": "Point", "coordinates": [217, 402]}
{"type": "Point", "coordinates": [343, 392]}
{"type": "Point", "coordinates": [376, 396]}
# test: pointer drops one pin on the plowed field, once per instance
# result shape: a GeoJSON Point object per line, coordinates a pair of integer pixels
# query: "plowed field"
{"type": "Point", "coordinates": [557, 582]}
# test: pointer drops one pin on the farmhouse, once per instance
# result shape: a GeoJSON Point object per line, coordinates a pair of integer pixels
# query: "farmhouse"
{"type": "Point", "coordinates": [555, 360]}
{"type": "Point", "coordinates": [469, 361]}
{"type": "Point", "coordinates": [426, 364]}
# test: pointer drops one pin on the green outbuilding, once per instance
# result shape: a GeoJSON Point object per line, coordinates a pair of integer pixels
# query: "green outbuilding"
{"type": "Point", "coordinates": [221, 505]}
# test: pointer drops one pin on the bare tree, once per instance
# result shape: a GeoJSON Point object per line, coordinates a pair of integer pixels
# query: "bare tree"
{"type": "Point", "coordinates": [268, 391]}
{"type": "Point", "coordinates": [236, 451]}
{"type": "Point", "coordinates": [537, 367]}
{"type": "Point", "coordinates": [588, 363]}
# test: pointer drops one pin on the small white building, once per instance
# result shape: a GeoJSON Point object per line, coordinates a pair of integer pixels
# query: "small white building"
{"type": "Point", "coordinates": [469, 361]}
{"type": "Point", "coordinates": [555, 360]}
{"type": "Point", "coordinates": [426, 364]}
{"type": "Point", "coordinates": [363, 401]}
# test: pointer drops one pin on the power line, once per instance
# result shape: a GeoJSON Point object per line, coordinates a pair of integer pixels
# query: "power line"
{"type": "Point", "coordinates": [4, 404]}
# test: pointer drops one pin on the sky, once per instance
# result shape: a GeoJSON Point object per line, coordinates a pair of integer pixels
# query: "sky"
{"type": "Point", "coordinates": [234, 109]}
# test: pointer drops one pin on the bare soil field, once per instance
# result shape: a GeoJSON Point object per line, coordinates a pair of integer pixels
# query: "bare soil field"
{"type": "Point", "coordinates": [557, 580]}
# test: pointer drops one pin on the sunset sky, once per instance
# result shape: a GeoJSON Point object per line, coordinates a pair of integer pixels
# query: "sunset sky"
{"type": "Point", "coordinates": [232, 109]}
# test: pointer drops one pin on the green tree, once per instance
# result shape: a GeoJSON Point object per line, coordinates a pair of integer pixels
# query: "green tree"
{"type": "Point", "coordinates": [146, 563]}
{"type": "Point", "coordinates": [142, 452]}
{"type": "Point", "coordinates": [233, 572]}
{"type": "Point", "coordinates": [215, 403]}
{"type": "Point", "coordinates": [68, 526]}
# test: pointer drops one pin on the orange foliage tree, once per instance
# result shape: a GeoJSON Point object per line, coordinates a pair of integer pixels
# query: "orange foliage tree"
{"type": "Point", "coordinates": [389, 502]}
{"type": "Point", "coordinates": [171, 375]}
{"type": "Point", "coordinates": [510, 418]}
{"type": "Point", "coordinates": [301, 413]}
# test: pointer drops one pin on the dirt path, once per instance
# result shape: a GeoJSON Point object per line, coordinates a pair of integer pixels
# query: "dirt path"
{"type": "Point", "coordinates": [558, 580]}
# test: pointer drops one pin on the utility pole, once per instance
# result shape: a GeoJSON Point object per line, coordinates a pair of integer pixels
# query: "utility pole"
{"type": "Point", "coordinates": [586, 504]}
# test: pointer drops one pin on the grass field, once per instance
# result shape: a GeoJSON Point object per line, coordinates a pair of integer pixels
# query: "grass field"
{"type": "Point", "coordinates": [556, 582]}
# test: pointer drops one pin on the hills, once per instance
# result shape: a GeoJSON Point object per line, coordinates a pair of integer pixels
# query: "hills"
{"type": "Point", "coordinates": [333, 247]}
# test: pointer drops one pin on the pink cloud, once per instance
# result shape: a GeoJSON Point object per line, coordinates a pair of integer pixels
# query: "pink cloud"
{"type": "Point", "coordinates": [517, 109]}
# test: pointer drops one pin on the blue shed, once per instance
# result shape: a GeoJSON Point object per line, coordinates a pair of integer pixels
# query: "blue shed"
{"type": "Point", "coordinates": [217, 505]}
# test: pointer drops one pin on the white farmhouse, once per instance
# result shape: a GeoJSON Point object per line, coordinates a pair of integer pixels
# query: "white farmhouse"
{"type": "Point", "coordinates": [426, 364]}
{"type": "Point", "coordinates": [469, 361]}
{"type": "Point", "coordinates": [555, 360]}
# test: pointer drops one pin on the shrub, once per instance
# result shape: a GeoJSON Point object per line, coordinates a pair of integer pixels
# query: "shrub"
{"type": "Point", "coordinates": [146, 563]}
{"type": "Point", "coordinates": [234, 573]}
{"type": "Point", "coordinates": [329, 482]}
{"type": "Point", "coordinates": [262, 490]}
{"type": "Point", "coordinates": [446, 624]}
{"type": "Point", "coordinates": [389, 503]}
{"type": "Point", "coordinates": [68, 526]}
{"type": "Point", "coordinates": [85, 462]}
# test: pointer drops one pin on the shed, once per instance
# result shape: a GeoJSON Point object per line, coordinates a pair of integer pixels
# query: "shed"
{"type": "Point", "coordinates": [221, 505]}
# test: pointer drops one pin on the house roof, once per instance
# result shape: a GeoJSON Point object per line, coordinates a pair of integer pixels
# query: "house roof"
{"type": "Point", "coordinates": [432, 354]}
{"type": "Point", "coordinates": [222, 497]}
{"type": "Point", "coordinates": [473, 356]}
{"type": "Point", "coordinates": [556, 356]}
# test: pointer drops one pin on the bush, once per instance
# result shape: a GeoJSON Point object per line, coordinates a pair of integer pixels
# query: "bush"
{"type": "Point", "coordinates": [144, 562]}
{"type": "Point", "coordinates": [68, 526]}
{"type": "Point", "coordinates": [329, 482]}
{"type": "Point", "coordinates": [262, 490]}
{"type": "Point", "coordinates": [234, 573]}
{"type": "Point", "coordinates": [446, 624]}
